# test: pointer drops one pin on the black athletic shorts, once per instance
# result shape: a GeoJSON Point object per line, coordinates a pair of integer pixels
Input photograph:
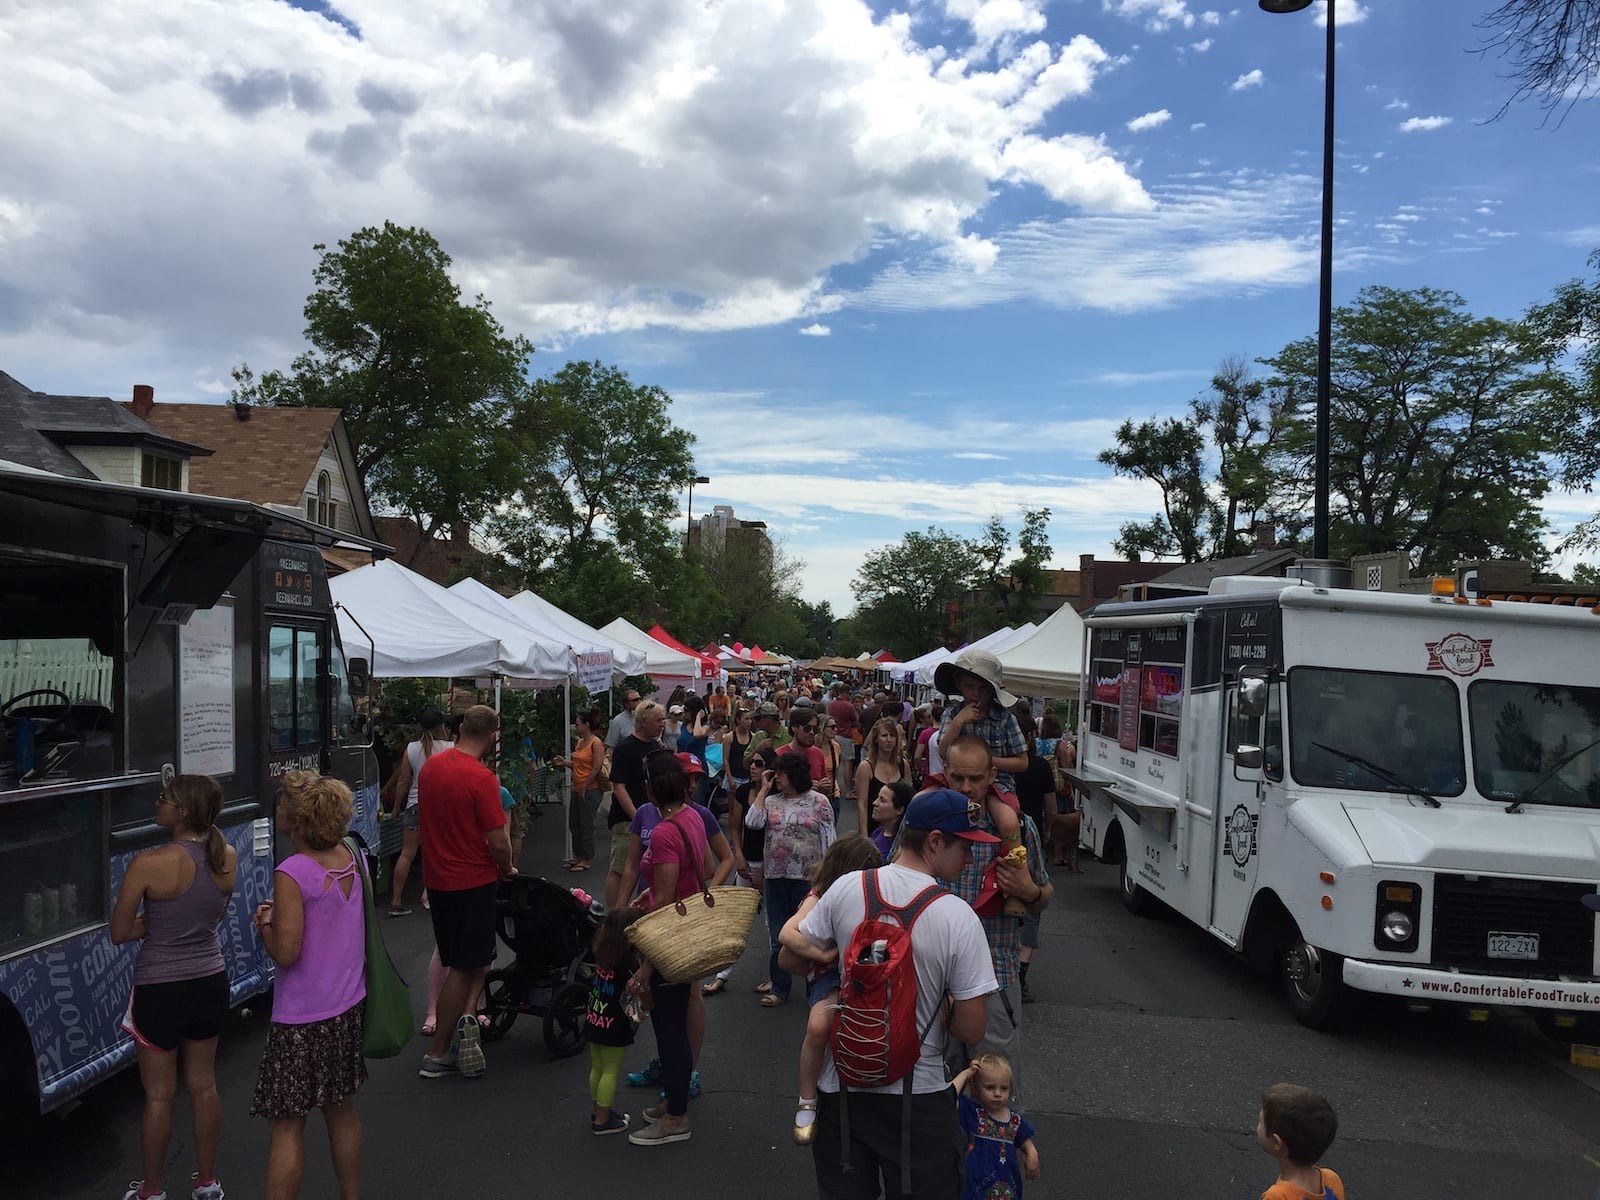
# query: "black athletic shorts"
{"type": "Point", "coordinates": [186, 1010]}
{"type": "Point", "coordinates": [463, 926]}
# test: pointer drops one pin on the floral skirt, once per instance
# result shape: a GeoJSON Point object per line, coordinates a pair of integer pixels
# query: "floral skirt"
{"type": "Point", "coordinates": [310, 1066]}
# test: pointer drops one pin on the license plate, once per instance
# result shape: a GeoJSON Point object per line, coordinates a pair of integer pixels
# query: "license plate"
{"type": "Point", "coordinates": [1514, 945]}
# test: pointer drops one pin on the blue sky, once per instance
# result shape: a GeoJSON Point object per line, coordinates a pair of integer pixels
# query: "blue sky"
{"type": "Point", "coordinates": [897, 266]}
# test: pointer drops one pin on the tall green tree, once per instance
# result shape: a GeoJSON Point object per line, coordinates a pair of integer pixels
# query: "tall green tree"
{"type": "Point", "coordinates": [1568, 331]}
{"type": "Point", "coordinates": [599, 464]}
{"type": "Point", "coordinates": [425, 381]}
{"type": "Point", "coordinates": [1438, 449]}
{"type": "Point", "coordinates": [1007, 586]}
{"type": "Point", "coordinates": [1169, 453]}
{"type": "Point", "coordinates": [904, 591]}
{"type": "Point", "coordinates": [757, 578]}
{"type": "Point", "coordinates": [1242, 420]}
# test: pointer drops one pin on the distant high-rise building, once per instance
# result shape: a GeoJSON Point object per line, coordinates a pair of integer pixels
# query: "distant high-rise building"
{"type": "Point", "coordinates": [720, 534]}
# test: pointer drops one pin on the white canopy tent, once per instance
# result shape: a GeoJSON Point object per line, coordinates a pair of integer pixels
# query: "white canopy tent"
{"type": "Point", "coordinates": [1049, 662]}
{"type": "Point", "coordinates": [596, 657]}
{"type": "Point", "coordinates": [668, 667]}
{"type": "Point", "coordinates": [410, 626]}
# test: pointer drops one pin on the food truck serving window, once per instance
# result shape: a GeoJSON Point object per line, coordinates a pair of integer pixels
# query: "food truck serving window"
{"type": "Point", "coordinates": [1375, 732]}
{"type": "Point", "coordinates": [60, 628]}
{"type": "Point", "coordinates": [292, 681]}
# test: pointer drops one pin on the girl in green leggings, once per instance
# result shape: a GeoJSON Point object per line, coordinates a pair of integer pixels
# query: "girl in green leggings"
{"type": "Point", "coordinates": [611, 1024]}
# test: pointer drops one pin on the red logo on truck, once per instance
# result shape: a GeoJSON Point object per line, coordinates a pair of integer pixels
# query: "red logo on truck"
{"type": "Point", "coordinates": [1460, 654]}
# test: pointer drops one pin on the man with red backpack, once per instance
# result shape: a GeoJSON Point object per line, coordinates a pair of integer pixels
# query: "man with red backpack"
{"type": "Point", "coordinates": [896, 929]}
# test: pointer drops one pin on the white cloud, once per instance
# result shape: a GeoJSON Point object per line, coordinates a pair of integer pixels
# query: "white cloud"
{"type": "Point", "coordinates": [1201, 46]}
{"type": "Point", "coordinates": [816, 329]}
{"type": "Point", "coordinates": [979, 456]}
{"type": "Point", "coordinates": [1396, 103]}
{"type": "Point", "coordinates": [1250, 79]}
{"type": "Point", "coordinates": [1350, 13]}
{"type": "Point", "coordinates": [1160, 15]}
{"type": "Point", "coordinates": [1416, 124]}
{"type": "Point", "coordinates": [1209, 239]}
{"type": "Point", "coordinates": [997, 22]}
{"type": "Point", "coordinates": [1197, 127]}
{"type": "Point", "coordinates": [1150, 120]}
{"type": "Point", "coordinates": [214, 146]}
{"type": "Point", "coordinates": [1133, 378]}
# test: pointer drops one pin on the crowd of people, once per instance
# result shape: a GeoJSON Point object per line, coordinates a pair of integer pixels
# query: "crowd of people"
{"type": "Point", "coordinates": [932, 901]}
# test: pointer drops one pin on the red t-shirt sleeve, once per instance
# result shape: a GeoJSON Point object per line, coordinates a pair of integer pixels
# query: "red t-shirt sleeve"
{"type": "Point", "coordinates": [486, 802]}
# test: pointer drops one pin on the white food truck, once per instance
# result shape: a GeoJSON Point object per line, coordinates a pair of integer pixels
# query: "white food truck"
{"type": "Point", "coordinates": [1389, 793]}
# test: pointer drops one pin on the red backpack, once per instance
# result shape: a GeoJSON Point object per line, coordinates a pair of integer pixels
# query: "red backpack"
{"type": "Point", "coordinates": [875, 1037]}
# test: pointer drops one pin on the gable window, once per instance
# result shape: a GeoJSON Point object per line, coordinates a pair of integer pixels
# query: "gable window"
{"type": "Point", "coordinates": [321, 507]}
{"type": "Point", "coordinates": [158, 471]}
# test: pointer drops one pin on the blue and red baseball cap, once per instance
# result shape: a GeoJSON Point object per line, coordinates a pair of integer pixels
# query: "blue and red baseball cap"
{"type": "Point", "coordinates": [691, 764]}
{"type": "Point", "coordinates": [948, 811]}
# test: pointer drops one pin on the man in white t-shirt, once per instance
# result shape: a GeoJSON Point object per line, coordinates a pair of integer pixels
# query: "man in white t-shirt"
{"type": "Point", "coordinates": [954, 973]}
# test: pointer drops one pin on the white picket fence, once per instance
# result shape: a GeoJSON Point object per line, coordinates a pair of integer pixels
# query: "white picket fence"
{"type": "Point", "coordinates": [69, 665]}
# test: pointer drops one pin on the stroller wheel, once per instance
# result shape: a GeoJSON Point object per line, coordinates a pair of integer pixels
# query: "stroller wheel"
{"type": "Point", "coordinates": [500, 1003]}
{"type": "Point", "coordinates": [566, 1026]}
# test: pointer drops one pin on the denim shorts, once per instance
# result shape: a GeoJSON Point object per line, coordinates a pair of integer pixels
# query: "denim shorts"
{"type": "Point", "coordinates": [827, 982]}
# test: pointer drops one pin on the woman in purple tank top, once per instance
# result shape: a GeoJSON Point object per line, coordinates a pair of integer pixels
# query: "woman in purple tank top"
{"type": "Point", "coordinates": [171, 901]}
{"type": "Point", "coordinates": [315, 929]}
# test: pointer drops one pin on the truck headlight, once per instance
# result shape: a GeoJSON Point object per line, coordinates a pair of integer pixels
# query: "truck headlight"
{"type": "Point", "coordinates": [1397, 915]}
{"type": "Point", "coordinates": [1397, 926]}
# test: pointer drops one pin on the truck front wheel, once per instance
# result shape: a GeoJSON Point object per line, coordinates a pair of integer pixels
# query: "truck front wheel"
{"type": "Point", "coordinates": [1313, 983]}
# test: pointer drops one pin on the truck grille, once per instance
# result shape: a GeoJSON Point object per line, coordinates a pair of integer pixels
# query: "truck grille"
{"type": "Point", "coordinates": [1467, 908]}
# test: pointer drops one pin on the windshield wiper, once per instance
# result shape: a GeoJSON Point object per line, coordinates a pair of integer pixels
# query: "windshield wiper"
{"type": "Point", "coordinates": [1382, 773]}
{"type": "Point", "coordinates": [1516, 805]}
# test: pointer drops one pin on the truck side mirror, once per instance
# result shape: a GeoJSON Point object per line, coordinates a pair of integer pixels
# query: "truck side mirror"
{"type": "Point", "coordinates": [360, 676]}
{"type": "Point", "coordinates": [1252, 694]}
{"type": "Point", "coordinates": [1247, 757]}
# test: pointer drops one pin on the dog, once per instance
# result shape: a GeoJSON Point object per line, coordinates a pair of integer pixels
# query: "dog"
{"type": "Point", "coordinates": [1064, 840]}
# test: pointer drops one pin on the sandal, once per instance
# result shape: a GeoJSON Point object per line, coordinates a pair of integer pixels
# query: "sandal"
{"type": "Point", "coordinates": [713, 987]}
{"type": "Point", "coordinates": [772, 1000]}
{"type": "Point", "coordinates": [577, 868]}
{"type": "Point", "coordinates": [428, 1028]}
{"type": "Point", "coordinates": [764, 986]}
{"type": "Point", "coordinates": [804, 1133]}
{"type": "Point", "coordinates": [397, 910]}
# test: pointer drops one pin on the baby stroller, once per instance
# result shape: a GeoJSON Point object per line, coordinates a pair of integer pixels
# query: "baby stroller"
{"type": "Point", "coordinates": [551, 933]}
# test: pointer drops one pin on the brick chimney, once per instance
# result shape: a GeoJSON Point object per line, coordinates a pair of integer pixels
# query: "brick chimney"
{"type": "Point", "coordinates": [1265, 534]}
{"type": "Point", "coordinates": [144, 400]}
{"type": "Point", "coordinates": [1086, 593]}
{"type": "Point", "coordinates": [241, 410]}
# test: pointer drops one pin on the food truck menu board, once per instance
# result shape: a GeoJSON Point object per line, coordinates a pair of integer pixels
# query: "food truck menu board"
{"type": "Point", "coordinates": [205, 693]}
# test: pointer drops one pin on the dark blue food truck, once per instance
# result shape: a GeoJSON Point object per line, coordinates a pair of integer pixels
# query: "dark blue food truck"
{"type": "Point", "coordinates": [146, 633]}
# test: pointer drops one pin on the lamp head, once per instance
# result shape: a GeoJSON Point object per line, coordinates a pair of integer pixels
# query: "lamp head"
{"type": "Point", "coordinates": [1284, 6]}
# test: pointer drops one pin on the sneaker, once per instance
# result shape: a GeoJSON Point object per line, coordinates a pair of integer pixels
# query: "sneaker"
{"type": "Point", "coordinates": [617, 1123]}
{"type": "Point", "coordinates": [649, 1077]}
{"type": "Point", "coordinates": [658, 1135]}
{"type": "Point", "coordinates": [206, 1191]}
{"type": "Point", "coordinates": [655, 1112]}
{"type": "Point", "coordinates": [134, 1192]}
{"type": "Point", "coordinates": [469, 1047]}
{"type": "Point", "coordinates": [434, 1068]}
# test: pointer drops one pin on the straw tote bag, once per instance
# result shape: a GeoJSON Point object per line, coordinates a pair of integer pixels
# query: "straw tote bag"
{"type": "Point", "coordinates": [698, 936]}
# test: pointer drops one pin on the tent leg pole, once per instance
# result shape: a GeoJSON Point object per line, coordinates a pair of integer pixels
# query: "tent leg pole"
{"type": "Point", "coordinates": [566, 712]}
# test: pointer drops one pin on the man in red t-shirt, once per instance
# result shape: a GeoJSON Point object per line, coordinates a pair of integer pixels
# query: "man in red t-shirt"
{"type": "Point", "coordinates": [466, 851]}
{"type": "Point", "coordinates": [845, 719]}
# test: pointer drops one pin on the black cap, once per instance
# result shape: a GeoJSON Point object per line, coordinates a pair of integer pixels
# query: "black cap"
{"type": "Point", "coordinates": [430, 717]}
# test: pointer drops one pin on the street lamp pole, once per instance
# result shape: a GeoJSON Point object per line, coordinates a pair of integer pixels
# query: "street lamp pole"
{"type": "Point", "coordinates": [1319, 511]}
{"type": "Point", "coordinates": [688, 530]}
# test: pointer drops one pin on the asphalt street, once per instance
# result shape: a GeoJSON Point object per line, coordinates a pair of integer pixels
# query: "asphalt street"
{"type": "Point", "coordinates": [1146, 1054]}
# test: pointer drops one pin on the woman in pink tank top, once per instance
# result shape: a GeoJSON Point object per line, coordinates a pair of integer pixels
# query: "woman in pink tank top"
{"type": "Point", "coordinates": [314, 928]}
{"type": "Point", "coordinates": [171, 901]}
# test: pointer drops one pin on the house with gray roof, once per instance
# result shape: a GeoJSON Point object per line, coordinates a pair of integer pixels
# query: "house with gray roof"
{"type": "Point", "coordinates": [90, 437]}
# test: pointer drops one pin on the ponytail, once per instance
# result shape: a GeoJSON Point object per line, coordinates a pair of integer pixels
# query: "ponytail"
{"type": "Point", "coordinates": [216, 851]}
{"type": "Point", "coordinates": [199, 801]}
{"type": "Point", "coordinates": [426, 742]}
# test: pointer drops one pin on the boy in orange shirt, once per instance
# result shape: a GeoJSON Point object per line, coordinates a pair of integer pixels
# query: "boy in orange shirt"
{"type": "Point", "coordinates": [1296, 1127]}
